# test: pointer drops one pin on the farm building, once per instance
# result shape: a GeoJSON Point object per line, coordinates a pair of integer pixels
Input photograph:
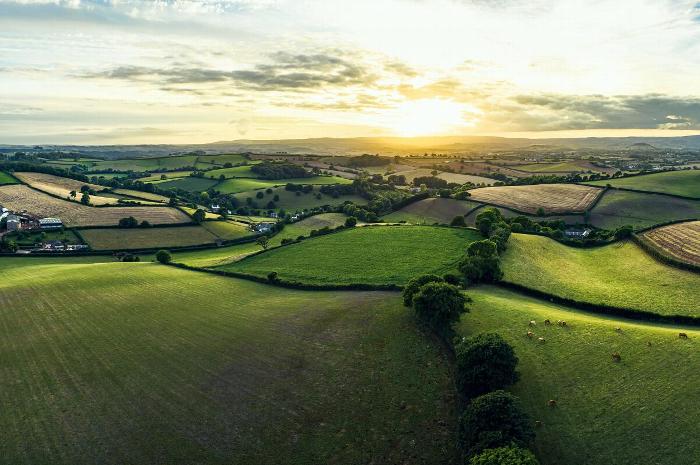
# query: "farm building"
{"type": "Point", "coordinates": [50, 223]}
{"type": "Point", "coordinates": [263, 228]}
{"type": "Point", "coordinates": [13, 223]}
{"type": "Point", "coordinates": [577, 232]}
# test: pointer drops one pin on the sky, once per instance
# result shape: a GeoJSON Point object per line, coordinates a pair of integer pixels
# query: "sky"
{"type": "Point", "coordinates": [185, 71]}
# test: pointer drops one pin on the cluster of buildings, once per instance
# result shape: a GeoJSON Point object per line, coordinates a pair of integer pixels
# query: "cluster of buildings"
{"type": "Point", "coordinates": [22, 221]}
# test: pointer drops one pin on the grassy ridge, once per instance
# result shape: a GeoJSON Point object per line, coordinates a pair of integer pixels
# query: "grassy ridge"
{"type": "Point", "coordinates": [141, 363]}
{"type": "Point", "coordinates": [685, 183]}
{"type": "Point", "coordinates": [620, 275]}
{"type": "Point", "coordinates": [432, 210]}
{"type": "Point", "coordinates": [640, 411]}
{"type": "Point", "coordinates": [373, 255]}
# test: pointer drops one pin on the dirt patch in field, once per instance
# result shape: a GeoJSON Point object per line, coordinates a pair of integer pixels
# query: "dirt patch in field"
{"type": "Point", "coordinates": [552, 198]}
{"type": "Point", "coordinates": [681, 241]}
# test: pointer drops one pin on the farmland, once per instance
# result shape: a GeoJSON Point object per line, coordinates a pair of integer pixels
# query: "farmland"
{"type": "Point", "coordinates": [372, 255]}
{"type": "Point", "coordinates": [237, 185]}
{"type": "Point", "coordinates": [6, 178]}
{"type": "Point", "coordinates": [619, 274]}
{"type": "Point", "coordinates": [684, 183]}
{"type": "Point", "coordinates": [18, 197]}
{"type": "Point", "coordinates": [227, 230]}
{"type": "Point", "coordinates": [292, 202]}
{"type": "Point", "coordinates": [305, 226]}
{"type": "Point", "coordinates": [449, 177]}
{"type": "Point", "coordinates": [62, 187]}
{"type": "Point", "coordinates": [641, 210]}
{"type": "Point", "coordinates": [188, 183]}
{"type": "Point", "coordinates": [141, 195]}
{"type": "Point", "coordinates": [210, 258]}
{"type": "Point", "coordinates": [606, 412]}
{"type": "Point", "coordinates": [552, 198]}
{"type": "Point", "coordinates": [680, 241]}
{"type": "Point", "coordinates": [432, 210]}
{"type": "Point", "coordinates": [169, 366]}
{"type": "Point", "coordinates": [146, 238]}
{"type": "Point", "coordinates": [573, 166]}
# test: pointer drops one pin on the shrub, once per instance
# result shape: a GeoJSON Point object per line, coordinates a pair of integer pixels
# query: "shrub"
{"type": "Point", "coordinates": [414, 284]}
{"type": "Point", "coordinates": [451, 278]}
{"type": "Point", "coordinates": [481, 264]}
{"type": "Point", "coordinates": [350, 222]}
{"type": "Point", "coordinates": [272, 277]}
{"type": "Point", "coordinates": [487, 219]}
{"type": "Point", "coordinates": [163, 256]}
{"type": "Point", "coordinates": [494, 420]}
{"type": "Point", "coordinates": [439, 305]}
{"type": "Point", "coordinates": [484, 363]}
{"type": "Point", "coordinates": [510, 455]}
{"type": "Point", "coordinates": [129, 222]}
{"type": "Point", "coordinates": [458, 221]}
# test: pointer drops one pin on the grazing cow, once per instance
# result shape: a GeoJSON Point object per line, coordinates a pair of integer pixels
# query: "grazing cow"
{"type": "Point", "coordinates": [532, 323]}
{"type": "Point", "coordinates": [682, 336]}
{"type": "Point", "coordinates": [530, 334]}
{"type": "Point", "coordinates": [618, 329]}
{"type": "Point", "coordinates": [552, 403]}
{"type": "Point", "coordinates": [562, 323]}
{"type": "Point", "coordinates": [616, 357]}
{"type": "Point", "coordinates": [541, 339]}
{"type": "Point", "coordinates": [547, 322]}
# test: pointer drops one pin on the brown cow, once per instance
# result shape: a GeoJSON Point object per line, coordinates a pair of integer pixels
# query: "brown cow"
{"type": "Point", "coordinates": [616, 357]}
{"type": "Point", "coordinates": [547, 322]}
{"type": "Point", "coordinates": [530, 334]}
{"type": "Point", "coordinates": [552, 403]}
{"type": "Point", "coordinates": [682, 336]}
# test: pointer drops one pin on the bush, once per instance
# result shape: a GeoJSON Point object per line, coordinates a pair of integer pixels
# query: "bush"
{"type": "Point", "coordinates": [451, 278]}
{"type": "Point", "coordinates": [272, 277]}
{"type": "Point", "coordinates": [494, 420]}
{"type": "Point", "coordinates": [129, 222]}
{"type": "Point", "coordinates": [510, 455]}
{"type": "Point", "coordinates": [439, 305]}
{"type": "Point", "coordinates": [481, 264]}
{"type": "Point", "coordinates": [350, 222]}
{"type": "Point", "coordinates": [458, 221]}
{"type": "Point", "coordinates": [163, 256]}
{"type": "Point", "coordinates": [484, 363]}
{"type": "Point", "coordinates": [487, 220]}
{"type": "Point", "coordinates": [414, 284]}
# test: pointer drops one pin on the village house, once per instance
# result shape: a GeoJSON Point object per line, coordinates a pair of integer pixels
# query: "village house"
{"type": "Point", "coordinates": [13, 223]}
{"type": "Point", "coordinates": [577, 232]}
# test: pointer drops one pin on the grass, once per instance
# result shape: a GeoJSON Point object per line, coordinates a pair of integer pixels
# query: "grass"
{"type": "Point", "coordinates": [142, 363]}
{"type": "Point", "coordinates": [642, 410]}
{"type": "Point", "coordinates": [210, 258]}
{"type": "Point", "coordinates": [291, 202]}
{"type": "Point", "coordinates": [6, 178]}
{"type": "Point", "coordinates": [147, 238]}
{"type": "Point", "coordinates": [236, 185]}
{"type": "Point", "coordinates": [619, 274]}
{"type": "Point", "coordinates": [640, 210]}
{"type": "Point", "coordinates": [305, 226]}
{"type": "Point", "coordinates": [62, 187]}
{"type": "Point", "coordinates": [188, 183]}
{"type": "Point", "coordinates": [29, 238]}
{"type": "Point", "coordinates": [374, 255]}
{"type": "Point", "coordinates": [685, 183]}
{"type": "Point", "coordinates": [142, 195]}
{"type": "Point", "coordinates": [433, 210]}
{"type": "Point", "coordinates": [234, 172]}
{"type": "Point", "coordinates": [227, 230]}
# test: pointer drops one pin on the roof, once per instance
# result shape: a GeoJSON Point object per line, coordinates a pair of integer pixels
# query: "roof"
{"type": "Point", "coordinates": [49, 220]}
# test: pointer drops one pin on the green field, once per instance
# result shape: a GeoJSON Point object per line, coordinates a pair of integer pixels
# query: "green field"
{"type": "Point", "coordinates": [642, 410]}
{"type": "Point", "coordinates": [291, 202]}
{"type": "Point", "coordinates": [141, 363]}
{"type": "Point", "coordinates": [188, 183]}
{"type": "Point", "coordinates": [433, 210]}
{"type": "Point", "coordinates": [6, 178]}
{"type": "Point", "coordinates": [234, 172]}
{"type": "Point", "coordinates": [27, 238]}
{"type": "Point", "coordinates": [209, 258]}
{"type": "Point", "coordinates": [619, 274]}
{"type": "Point", "coordinates": [375, 255]}
{"type": "Point", "coordinates": [236, 185]}
{"type": "Point", "coordinates": [685, 183]}
{"type": "Point", "coordinates": [227, 230]}
{"type": "Point", "coordinates": [640, 210]}
{"type": "Point", "coordinates": [147, 238]}
{"type": "Point", "coordinates": [305, 226]}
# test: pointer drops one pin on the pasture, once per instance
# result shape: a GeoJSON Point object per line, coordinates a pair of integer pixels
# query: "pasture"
{"type": "Point", "coordinates": [147, 238]}
{"type": "Point", "coordinates": [227, 230]}
{"type": "Point", "coordinates": [571, 166]}
{"type": "Point", "coordinates": [19, 198]}
{"type": "Point", "coordinates": [291, 202]}
{"type": "Point", "coordinates": [685, 183]}
{"type": "Point", "coordinates": [141, 363]}
{"type": "Point", "coordinates": [680, 241]}
{"type": "Point", "coordinates": [642, 410]}
{"type": "Point", "coordinates": [237, 185]}
{"type": "Point", "coordinates": [367, 255]}
{"type": "Point", "coordinates": [447, 176]}
{"type": "Point", "coordinates": [188, 183]}
{"type": "Point", "coordinates": [210, 258]}
{"type": "Point", "coordinates": [305, 226]}
{"type": "Point", "coordinates": [619, 274]}
{"type": "Point", "coordinates": [141, 195]}
{"type": "Point", "coordinates": [641, 210]}
{"type": "Point", "coordinates": [431, 210]}
{"type": "Point", "coordinates": [62, 187]}
{"type": "Point", "coordinates": [552, 198]}
{"type": "Point", "coordinates": [6, 178]}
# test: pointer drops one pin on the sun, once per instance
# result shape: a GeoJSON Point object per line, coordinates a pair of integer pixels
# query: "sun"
{"type": "Point", "coordinates": [427, 117]}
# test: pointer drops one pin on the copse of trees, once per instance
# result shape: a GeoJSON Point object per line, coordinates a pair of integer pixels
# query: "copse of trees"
{"type": "Point", "coordinates": [438, 306]}
{"type": "Point", "coordinates": [414, 285]}
{"type": "Point", "coordinates": [279, 170]}
{"type": "Point", "coordinates": [481, 264]}
{"type": "Point", "coordinates": [509, 455]}
{"type": "Point", "coordinates": [485, 363]}
{"type": "Point", "coordinates": [431, 182]}
{"type": "Point", "coordinates": [367, 160]}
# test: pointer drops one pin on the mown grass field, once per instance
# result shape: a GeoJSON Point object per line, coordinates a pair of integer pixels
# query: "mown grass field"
{"type": "Point", "coordinates": [680, 241]}
{"type": "Point", "coordinates": [642, 410]}
{"type": "Point", "coordinates": [236, 185]}
{"type": "Point", "coordinates": [188, 183]}
{"type": "Point", "coordinates": [141, 363]}
{"type": "Point", "coordinates": [291, 202]}
{"type": "Point", "coordinates": [210, 258]}
{"type": "Point", "coordinates": [305, 226]}
{"type": "Point", "coordinates": [374, 255]}
{"type": "Point", "coordinates": [142, 195]}
{"type": "Point", "coordinates": [227, 230]}
{"type": "Point", "coordinates": [620, 274]}
{"type": "Point", "coordinates": [147, 238]}
{"type": "Point", "coordinates": [6, 178]}
{"type": "Point", "coordinates": [432, 210]}
{"type": "Point", "coordinates": [447, 176]}
{"type": "Point", "coordinates": [552, 198]}
{"type": "Point", "coordinates": [573, 166]}
{"type": "Point", "coordinates": [618, 208]}
{"type": "Point", "coordinates": [685, 183]}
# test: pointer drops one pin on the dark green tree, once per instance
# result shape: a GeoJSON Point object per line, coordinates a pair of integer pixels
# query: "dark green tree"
{"type": "Point", "coordinates": [509, 455]}
{"type": "Point", "coordinates": [458, 221]}
{"type": "Point", "coordinates": [414, 284]}
{"type": "Point", "coordinates": [199, 216]}
{"type": "Point", "coordinates": [163, 256]}
{"type": "Point", "coordinates": [350, 222]}
{"type": "Point", "coordinates": [439, 306]}
{"type": "Point", "coordinates": [485, 363]}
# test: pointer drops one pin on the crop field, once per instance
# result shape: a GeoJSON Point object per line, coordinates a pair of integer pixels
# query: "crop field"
{"type": "Point", "coordinates": [305, 226]}
{"type": "Point", "coordinates": [553, 198]}
{"type": "Point", "coordinates": [188, 183]}
{"type": "Point", "coordinates": [6, 178]}
{"type": "Point", "coordinates": [147, 238]}
{"type": "Point", "coordinates": [432, 210]}
{"type": "Point", "coordinates": [210, 258]}
{"type": "Point", "coordinates": [141, 195]}
{"type": "Point", "coordinates": [19, 198]}
{"type": "Point", "coordinates": [574, 166]}
{"type": "Point", "coordinates": [227, 230]}
{"type": "Point", "coordinates": [141, 363]}
{"type": "Point", "coordinates": [168, 163]}
{"type": "Point", "coordinates": [375, 254]}
{"type": "Point", "coordinates": [449, 177]}
{"type": "Point", "coordinates": [642, 410]}
{"type": "Point", "coordinates": [685, 183]}
{"type": "Point", "coordinates": [57, 185]}
{"type": "Point", "coordinates": [620, 274]}
{"type": "Point", "coordinates": [291, 202]}
{"type": "Point", "coordinates": [640, 210]}
{"type": "Point", "coordinates": [680, 241]}
{"type": "Point", "coordinates": [568, 219]}
{"type": "Point", "coordinates": [237, 185]}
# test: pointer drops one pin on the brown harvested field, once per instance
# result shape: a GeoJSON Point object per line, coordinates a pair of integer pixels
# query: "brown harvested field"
{"type": "Point", "coordinates": [141, 195]}
{"type": "Point", "coordinates": [449, 177]}
{"type": "Point", "coordinates": [478, 167]}
{"type": "Point", "coordinates": [22, 198]}
{"type": "Point", "coordinates": [60, 186]}
{"type": "Point", "coordinates": [553, 198]}
{"type": "Point", "coordinates": [147, 238]}
{"type": "Point", "coordinates": [680, 241]}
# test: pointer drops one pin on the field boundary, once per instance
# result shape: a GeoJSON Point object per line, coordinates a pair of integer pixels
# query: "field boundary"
{"type": "Point", "coordinates": [640, 191]}
{"type": "Point", "coordinates": [662, 257]}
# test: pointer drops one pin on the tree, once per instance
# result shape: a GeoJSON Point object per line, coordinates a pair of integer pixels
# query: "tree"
{"type": "Point", "coordinates": [263, 241]}
{"type": "Point", "coordinates": [172, 202]}
{"type": "Point", "coordinates": [540, 212]}
{"type": "Point", "coordinates": [509, 455]}
{"type": "Point", "coordinates": [73, 194]}
{"type": "Point", "coordinates": [199, 216]}
{"type": "Point", "coordinates": [350, 222]}
{"type": "Point", "coordinates": [414, 284]}
{"type": "Point", "coordinates": [259, 195]}
{"type": "Point", "coordinates": [494, 420]}
{"type": "Point", "coordinates": [128, 222]}
{"type": "Point", "coordinates": [487, 220]}
{"type": "Point", "coordinates": [84, 188]}
{"type": "Point", "coordinates": [481, 263]}
{"type": "Point", "coordinates": [458, 221]}
{"type": "Point", "coordinates": [204, 196]}
{"type": "Point", "coordinates": [145, 224]}
{"type": "Point", "coordinates": [85, 199]}
{"type": "Point", "coordinates": [484, 363]}
{"type": "Point", "coordinates": [439, 306]}
{"type": "Point", "coordinates": [163, 256]}
{"type": "Point", "coordinates": [624, 232]}
{"type": "Point", "coordinates": [272, 277]}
